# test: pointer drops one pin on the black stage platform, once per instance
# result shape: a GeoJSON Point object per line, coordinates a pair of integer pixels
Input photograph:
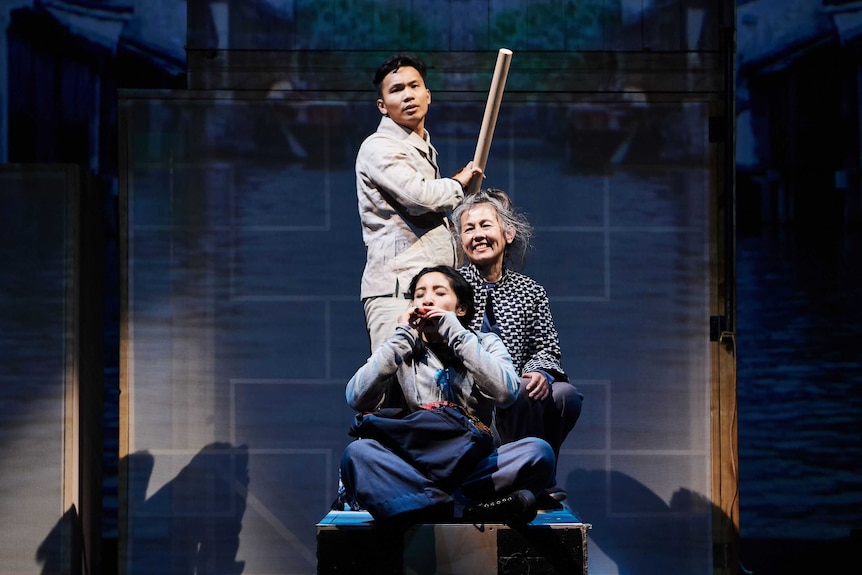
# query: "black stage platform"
{"type": "Point", "coordinates": [554, 542]}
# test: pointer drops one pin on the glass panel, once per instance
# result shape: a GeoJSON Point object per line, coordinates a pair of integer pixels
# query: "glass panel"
{"type": "Point", "coordinates": [245, 255]}
{"type": "Point", "coordinates": [35, 364]}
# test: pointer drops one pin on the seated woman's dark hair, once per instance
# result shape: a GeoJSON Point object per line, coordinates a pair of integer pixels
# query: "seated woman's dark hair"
{"type": "Point", "coordinates": [463, 290]}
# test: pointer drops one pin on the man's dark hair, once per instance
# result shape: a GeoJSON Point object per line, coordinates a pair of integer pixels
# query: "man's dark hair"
{"type": "Point", "coordinates": [463, 290]}
{"type": "Point", "coordinates": [394, 62]}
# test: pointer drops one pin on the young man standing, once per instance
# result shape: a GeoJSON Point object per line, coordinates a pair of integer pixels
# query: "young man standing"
{"type": "Point", "coordinates": [403, 200]}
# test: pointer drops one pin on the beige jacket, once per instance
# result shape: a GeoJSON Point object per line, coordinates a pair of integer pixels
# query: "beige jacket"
{"type": "Point", "coordinates": [403, 207]}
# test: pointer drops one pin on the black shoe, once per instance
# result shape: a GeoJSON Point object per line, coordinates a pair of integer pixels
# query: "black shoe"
{"type": "Point", "coordinates": [545, 502]}
{"type": "Point", "coordinates": [557, 493]}
{"type": "Point", "coordinates": [518, 507]}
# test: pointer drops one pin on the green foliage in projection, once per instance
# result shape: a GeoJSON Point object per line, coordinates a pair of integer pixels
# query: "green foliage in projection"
{"type": "Point", "coordinates": [506, 24]}
{"type": "Point", "coordinates": [555, 25]}
{"type": "Point", "coordinates": [360, 25]}
{"type": "Point", "coordinates": [592, 24]}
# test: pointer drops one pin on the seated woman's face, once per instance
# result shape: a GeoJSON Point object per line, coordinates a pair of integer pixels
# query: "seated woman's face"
{"type": "Point", "coordinates": [434, 290]}
{"type": "Point", "coordinates": [482, 236]}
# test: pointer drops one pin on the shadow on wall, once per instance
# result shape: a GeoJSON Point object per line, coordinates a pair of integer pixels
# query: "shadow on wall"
{"type": "Point", "coordinates": [52, 553]}
{"type": "Point", "coordinates": [622, 510]}
{"type": "Point", "coordinates": [192, 524]}
{"type": "Point", "coordinates": [636, 528]}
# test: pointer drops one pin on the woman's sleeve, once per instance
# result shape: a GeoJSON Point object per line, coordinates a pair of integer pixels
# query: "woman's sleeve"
{"type": "Point", "coordinates": [367, 389]}
{"type": "Point", "coordinates": [543, 341]}
{"type": "Point", "coordinates": [485, 358]}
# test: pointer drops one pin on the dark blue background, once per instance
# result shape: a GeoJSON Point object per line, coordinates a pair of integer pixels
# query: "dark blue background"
{"type": "Point", "coordinates": [798, 254]}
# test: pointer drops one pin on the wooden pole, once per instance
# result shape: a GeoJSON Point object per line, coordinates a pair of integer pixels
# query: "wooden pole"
{"type": "Point", "coordinates": [489, 121]}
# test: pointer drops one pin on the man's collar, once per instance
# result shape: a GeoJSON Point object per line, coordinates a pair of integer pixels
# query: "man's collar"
{"type": "Point", "coordinates": [389, 127]}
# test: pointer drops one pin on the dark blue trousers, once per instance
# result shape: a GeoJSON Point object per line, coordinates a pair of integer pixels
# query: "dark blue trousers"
{"type": "Point", "coordinates": [386, 485]}
{"type": "Point", "coordinates": [551, 419]}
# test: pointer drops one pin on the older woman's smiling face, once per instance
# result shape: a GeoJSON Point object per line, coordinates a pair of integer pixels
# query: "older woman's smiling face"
{"type": "Point", "coordinates": [483, 237]}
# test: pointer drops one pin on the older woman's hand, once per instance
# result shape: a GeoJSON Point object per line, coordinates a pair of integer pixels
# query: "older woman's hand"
{"type": "Point", "coordinates": [537, 385]}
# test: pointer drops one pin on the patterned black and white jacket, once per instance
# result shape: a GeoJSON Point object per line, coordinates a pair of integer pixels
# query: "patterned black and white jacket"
{"type": "Point", "coordinates": [523, 313]}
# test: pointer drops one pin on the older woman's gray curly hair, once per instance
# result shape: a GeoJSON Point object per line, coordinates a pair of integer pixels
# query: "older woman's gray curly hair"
{"type": "Point", "coordinates": [516, 252]}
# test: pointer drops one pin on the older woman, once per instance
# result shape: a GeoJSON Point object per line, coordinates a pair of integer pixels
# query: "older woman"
{"type": "Point", "coordinates": [494, 238]}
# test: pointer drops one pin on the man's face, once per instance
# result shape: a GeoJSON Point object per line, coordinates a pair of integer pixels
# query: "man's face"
{"type": "Point", "coordinates": [483, 238]}
{"type": "Point", "coordinates": [404, 98]}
